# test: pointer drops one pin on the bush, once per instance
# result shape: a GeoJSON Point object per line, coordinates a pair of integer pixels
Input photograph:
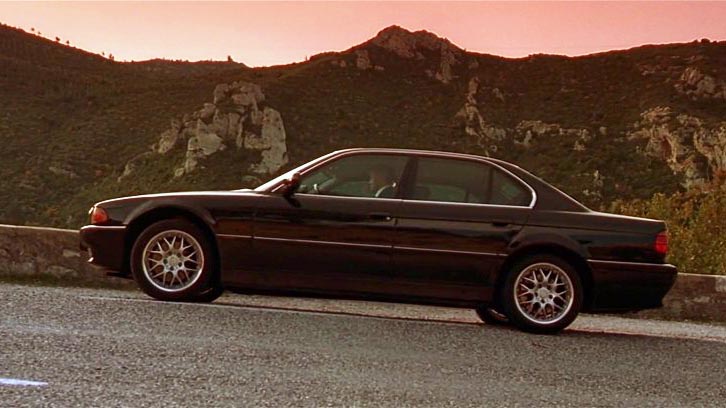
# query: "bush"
{"type": "Point", "coordinates": [696, 227]}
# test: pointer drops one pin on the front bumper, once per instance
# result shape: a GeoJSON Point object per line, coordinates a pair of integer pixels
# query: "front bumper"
{"type": "Point", "coordinates": [629, 286]}
{"type": "Point", "coordinates": [106, 246]}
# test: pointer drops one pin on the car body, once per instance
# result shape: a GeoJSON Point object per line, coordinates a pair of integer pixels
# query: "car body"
{"type": "Point", "coordinates": [448, 228]}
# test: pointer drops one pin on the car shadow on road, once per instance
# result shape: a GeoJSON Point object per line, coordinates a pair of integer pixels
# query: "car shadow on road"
{"type": "Point", "coordinates": [625, 329]}
{"type": "Point", "coordinates": [573, 332]}
{"type": "Point", "coordinates": [385, 316]}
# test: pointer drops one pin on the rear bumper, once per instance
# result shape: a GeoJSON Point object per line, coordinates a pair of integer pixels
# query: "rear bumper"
{"type": "Point", "coordinates": [625, 286]}
{"type": "Point", "coordinates": [106, 245]}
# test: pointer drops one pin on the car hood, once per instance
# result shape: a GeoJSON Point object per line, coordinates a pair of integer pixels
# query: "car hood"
{"type": "Point", "coordinates": [130, 200]}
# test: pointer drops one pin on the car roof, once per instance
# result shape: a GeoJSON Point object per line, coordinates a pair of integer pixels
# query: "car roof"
{"type": "Point", "coordinates": [417, 152]}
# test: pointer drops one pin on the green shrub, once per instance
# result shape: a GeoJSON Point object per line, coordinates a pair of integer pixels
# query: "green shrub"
{"type": "Point", "coordinates": [696, 227]}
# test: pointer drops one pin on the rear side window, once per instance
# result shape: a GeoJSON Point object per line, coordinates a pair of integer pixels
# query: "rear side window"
{"type": "Point", "coordinates": [462, 181]}
{"type": "Point", "coordinates": [505, 190]}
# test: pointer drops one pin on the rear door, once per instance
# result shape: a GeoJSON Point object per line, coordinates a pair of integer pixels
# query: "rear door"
{"type": "Point", "coordinates": [456, 222]}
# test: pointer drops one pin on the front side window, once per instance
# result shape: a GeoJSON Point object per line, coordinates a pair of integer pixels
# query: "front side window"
{"type": "Point", "coordinates": [461, 181]}
{"type": "Point", "coordinates": [376, 176]}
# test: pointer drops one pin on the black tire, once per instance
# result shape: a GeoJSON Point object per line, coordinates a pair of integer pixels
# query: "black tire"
{"type": "Point", "coordinates": [203, 286]}
{"type": "Point", "coordinates": [491, 316]}
{"type": "Point", "coordinates": [210, 295]}
{"type": "Point", "coordinates": [569, 307]}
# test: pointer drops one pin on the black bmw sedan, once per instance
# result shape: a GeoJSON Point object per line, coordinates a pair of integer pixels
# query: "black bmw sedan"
{"type": "Point", "coordinates": [391, 224]}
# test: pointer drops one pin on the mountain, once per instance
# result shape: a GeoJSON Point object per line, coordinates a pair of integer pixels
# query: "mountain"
{"type": "Point", "coordinates": [76, 128]}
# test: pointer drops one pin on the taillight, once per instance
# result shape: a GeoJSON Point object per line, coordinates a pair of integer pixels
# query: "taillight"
{"type": "Point", "coordinates": [98, 215]}
{"type": "Point", "coordinates": [661, 243]}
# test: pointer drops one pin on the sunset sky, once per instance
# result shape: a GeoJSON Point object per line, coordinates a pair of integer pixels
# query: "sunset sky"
{"type": "Point", "coordinates": [259, 33]}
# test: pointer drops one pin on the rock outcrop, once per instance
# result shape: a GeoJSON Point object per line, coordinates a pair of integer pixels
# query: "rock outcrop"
{"type": "Point", "coordinates": [237, 118]}
{"type": "Point", "coordinates": [525, 133]}
{"type": "Point", "coordinates": [486, 134]}
{"type": "Point", "coordinates": [59, 170]}
{"type": "Point", "coordinates": [698, 85]}
{"type": "Point", "coordinates": [362, 61]}
{"type": "Point", "coordinates": [597, 183]}
{"type": "Point", "coordinates": [684, 142]}
{"type": "Point", "coordinates": [528, 132]}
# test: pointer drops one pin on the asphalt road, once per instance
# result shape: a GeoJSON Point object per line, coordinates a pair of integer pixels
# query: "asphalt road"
{"type": "Point", "coordinates": [90, 347]}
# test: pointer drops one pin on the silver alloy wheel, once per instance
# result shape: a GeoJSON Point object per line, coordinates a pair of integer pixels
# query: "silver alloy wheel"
{"type": "Point", "coordinates": [543, 293]}
{"type": "Point", "coordinates": [172, 260]}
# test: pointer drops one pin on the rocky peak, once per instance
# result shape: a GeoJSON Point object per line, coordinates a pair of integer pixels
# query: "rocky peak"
{"type": "Point", "coordinates": [408, 44]}
{"type": "Point", "coordinates": [420, 45]}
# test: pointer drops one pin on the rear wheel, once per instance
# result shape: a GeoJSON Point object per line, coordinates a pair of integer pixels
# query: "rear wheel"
{"type": "Point", "coordinates": [542, 294]}
{"type": "Point", "coordinates": [173, 260]}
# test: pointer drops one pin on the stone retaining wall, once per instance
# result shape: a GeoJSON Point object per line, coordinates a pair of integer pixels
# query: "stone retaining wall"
{"type": "Point", "coordinates": [693, 297]}
{"type": "Point", "coordinates": [50, 254]}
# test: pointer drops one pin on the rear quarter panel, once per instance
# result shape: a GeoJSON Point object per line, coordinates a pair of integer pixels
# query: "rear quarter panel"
{"type": "Point", "coordinates": [622, 269]}
{"type": "Point", "coordinates": [600, 236]}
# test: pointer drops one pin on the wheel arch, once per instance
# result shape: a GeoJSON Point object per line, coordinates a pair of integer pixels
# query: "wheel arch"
{"type": "Point", "coordinates": [166, 212]}
{"type": "Point", "coordinates": [577, 260]}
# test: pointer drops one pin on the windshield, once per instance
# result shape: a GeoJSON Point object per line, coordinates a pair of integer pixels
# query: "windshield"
{"type": "Point", "coordinates": [277, 180]}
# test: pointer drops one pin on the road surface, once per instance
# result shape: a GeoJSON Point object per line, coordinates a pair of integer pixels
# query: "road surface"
{"type": "Point", "coordinates": [95, 347]}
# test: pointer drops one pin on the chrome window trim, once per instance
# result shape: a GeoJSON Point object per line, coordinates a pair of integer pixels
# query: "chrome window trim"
{"type": "Point", "coordinates": [467, 204]}
{"type": "Point", "coordinates": [405, 200]}
{"type": "Point", "coordinates": [350, 197]}
{"type": "Point", "coordinates": [422, 153]}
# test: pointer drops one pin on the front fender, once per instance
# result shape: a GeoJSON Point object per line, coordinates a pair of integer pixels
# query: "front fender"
{"type": "Point", "coordinates": [173, 205]}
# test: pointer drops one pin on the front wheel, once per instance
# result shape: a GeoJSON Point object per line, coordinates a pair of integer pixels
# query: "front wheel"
{"type": "Point", "coordinates": [173, 260]}
{"type": "Point", "coordinates": [210, 295]}
{"type": "Point", "coordinates": [542, 294]}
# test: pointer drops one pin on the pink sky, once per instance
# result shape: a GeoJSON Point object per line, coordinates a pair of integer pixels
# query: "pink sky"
{"type": "Point", "coordinates": [259, 33]}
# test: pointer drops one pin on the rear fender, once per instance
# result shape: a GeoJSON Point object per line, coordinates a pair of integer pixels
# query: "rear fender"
{"type": "Point", "coordinates": [534, 240]}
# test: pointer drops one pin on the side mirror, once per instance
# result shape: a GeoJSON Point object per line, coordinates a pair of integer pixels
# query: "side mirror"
{"type": "Point", "coordinates": [290, 186]}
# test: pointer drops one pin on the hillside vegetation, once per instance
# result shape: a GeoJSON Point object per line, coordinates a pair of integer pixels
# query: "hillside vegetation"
{"type": "Point", "coordinates": [635, 130]}
{"type": "Point", "coordinates": [696, 227]}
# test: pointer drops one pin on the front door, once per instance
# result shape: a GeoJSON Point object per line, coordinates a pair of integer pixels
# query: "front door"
{"type": "Point", "coordinates": [335, 233]}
